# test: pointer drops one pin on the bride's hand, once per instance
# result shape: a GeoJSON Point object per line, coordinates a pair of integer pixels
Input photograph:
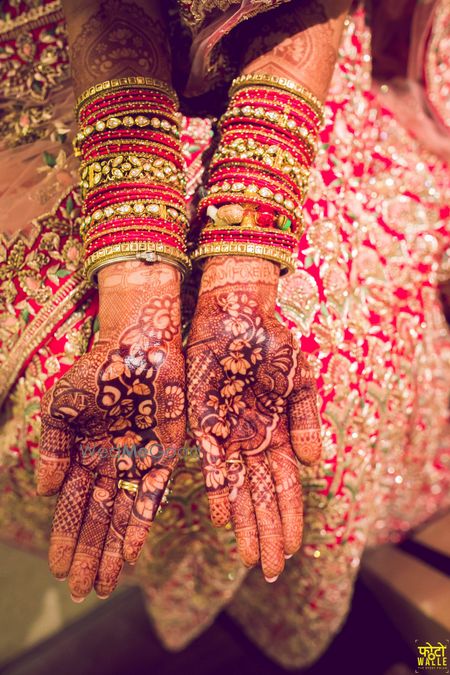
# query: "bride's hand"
{"type": "Point", "coordinates": [117, 415]}
{"type": "Point", "coordinates": [252, 407]}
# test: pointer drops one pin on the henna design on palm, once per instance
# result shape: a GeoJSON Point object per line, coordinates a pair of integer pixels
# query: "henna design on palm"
{"type": "Point", "coordinates": [252, 407]}
{"type": "Point", "coordinates": [118, 414]}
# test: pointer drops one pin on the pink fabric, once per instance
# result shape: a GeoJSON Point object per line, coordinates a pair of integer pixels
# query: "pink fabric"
{"type": "Point", "coordinates": [28, 186]}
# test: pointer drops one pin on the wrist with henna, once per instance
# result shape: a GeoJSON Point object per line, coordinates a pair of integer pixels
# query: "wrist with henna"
{"type": "Point", "coordinates": [252, 408]}
{"type": "Point", "coordinates": [300, 43]}
{"type": "Point", "coordinates": [116, 38]}
{"type": "Point", "coordinates": [117, 415]}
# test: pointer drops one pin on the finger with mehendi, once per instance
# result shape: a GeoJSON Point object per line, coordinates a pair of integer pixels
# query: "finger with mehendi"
{"type": "Point", "coordinates": [203, 370]}
{"type": "Point", "coordinates": [67, 519]}
{"type": "Point", "coordinates": [148, 498]}
{"type": "Point", "coordinates": [111, 562]}
{"type": "Point", "coordinates": [270, 531]}
{"type": "Point", "coordinates": [92, 537]}
{"type": "Point", "coordinates": [286, 477]}
{"type": "Point", "coordinates": [242, 512]}
{"type": "Point", "coordinates": [54, 450]}
{"type": "Point", "coordinates": [304, 420]}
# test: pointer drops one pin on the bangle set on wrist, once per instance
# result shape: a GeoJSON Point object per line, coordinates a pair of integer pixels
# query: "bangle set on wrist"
{"type": "Point", "coordinates": [133, 178]}
{"type": "Point", "coordinates": [258, 176]}
{"type": "Point", "coordinates": [132, 174]}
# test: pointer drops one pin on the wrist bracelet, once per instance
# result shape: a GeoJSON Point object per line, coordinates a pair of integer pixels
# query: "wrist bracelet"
{"type": "Point", "coordinates": [145, 251]}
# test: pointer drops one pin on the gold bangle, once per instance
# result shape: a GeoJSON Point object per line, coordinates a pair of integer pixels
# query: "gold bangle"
{"type": "Point", "coordinates": [124, 83]}
{"type": "Point", "coordinates": [150, 208]}
{"type": "Point", "coordinates": [273, 185]}
{"type": "Point", "coordinates": [149, 257]}
{"type": "Point", "coordinates": [137, 250]}
{"type": "Point", "coordinates": [284, 258]}
{"type": "Point", "coordinates": [267, 164]}
{"type": "Point", "coordinates": [248, 226]}
{"type": "Point", "coordinates": [254, 80]}
{"type": "Point", "coordinates": [257, 105]}
{"type": "Point", "coordinates": [272, 140]}
{"type": "Point", "coordinates": [114, 168]}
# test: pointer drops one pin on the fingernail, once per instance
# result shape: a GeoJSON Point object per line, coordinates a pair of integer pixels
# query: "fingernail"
{"type": "Point", "coordinates": [288, 556]}
{"type": "Point", "coordinates": [60, 578]}
{"type": "Point", "coordinates": [270, 580]}
{"type": "Point", "coordinates": [102, 597]}
{"type": "Point", "coordinates": [77, 600]}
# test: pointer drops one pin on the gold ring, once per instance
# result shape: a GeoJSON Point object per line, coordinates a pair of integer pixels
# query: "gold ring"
{"type": "Point", "coordinates": [127, 485]}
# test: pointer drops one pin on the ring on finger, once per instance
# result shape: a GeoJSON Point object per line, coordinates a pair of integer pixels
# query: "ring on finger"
{"type": "Point", "coordinates": [128, 485]}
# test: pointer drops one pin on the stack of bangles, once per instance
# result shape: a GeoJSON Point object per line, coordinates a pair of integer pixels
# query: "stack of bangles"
{"type": "Point", "coordinates": [132, 174]}
{"type": "Point", "coordinates": [259, 173]}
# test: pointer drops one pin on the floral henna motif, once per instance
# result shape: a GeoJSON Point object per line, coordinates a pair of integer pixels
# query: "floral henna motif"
{"type": "Point", "coordinates": [118, 414]}
{"type": "Point", "coordinates": [252, 408]}
{"type": "Point", "coordinates": [113, 38]}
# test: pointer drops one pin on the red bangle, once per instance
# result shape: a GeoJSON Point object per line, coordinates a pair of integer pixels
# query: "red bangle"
{"type": "Point", "coordinates": [230, 125]}
{"type": "Point", "coordinates": [261, 166]}
{"type": "Point", "coordinates": [121, 101]}
{"type": "Point", "coordinates": [302, 116]}
{"type": "Point", "coordinates": [107, 194]}
{"type": "Point", "coordinates": [271, 95]}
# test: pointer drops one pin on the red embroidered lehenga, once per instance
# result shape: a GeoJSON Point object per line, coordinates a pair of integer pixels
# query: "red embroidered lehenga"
{"type": "Point", "coordinates": [363, 300]}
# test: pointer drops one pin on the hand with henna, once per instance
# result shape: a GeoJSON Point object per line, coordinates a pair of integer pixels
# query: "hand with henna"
{"type": "Point", "coordinates": [117, 415]}
{"type": "Point", "coordinates": [252, 407]}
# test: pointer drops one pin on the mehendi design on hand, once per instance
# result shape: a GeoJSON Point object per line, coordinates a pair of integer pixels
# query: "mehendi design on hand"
{"type": "Point", "coordinates": [252, 404]}
{"type": "Point", "coordinates": [118, 414]}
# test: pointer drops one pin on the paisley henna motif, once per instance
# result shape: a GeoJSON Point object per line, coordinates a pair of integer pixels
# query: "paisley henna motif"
{"type": "Point", "coordinates": [252, 408]}
{"type": "Point", "coordinates": [118, 414]}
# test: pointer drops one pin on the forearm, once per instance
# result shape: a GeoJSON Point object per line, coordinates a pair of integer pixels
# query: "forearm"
{"type": "Point", "coordinates": [307, 54]}
{"type": "Point", "coordinates": [109, 39]}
